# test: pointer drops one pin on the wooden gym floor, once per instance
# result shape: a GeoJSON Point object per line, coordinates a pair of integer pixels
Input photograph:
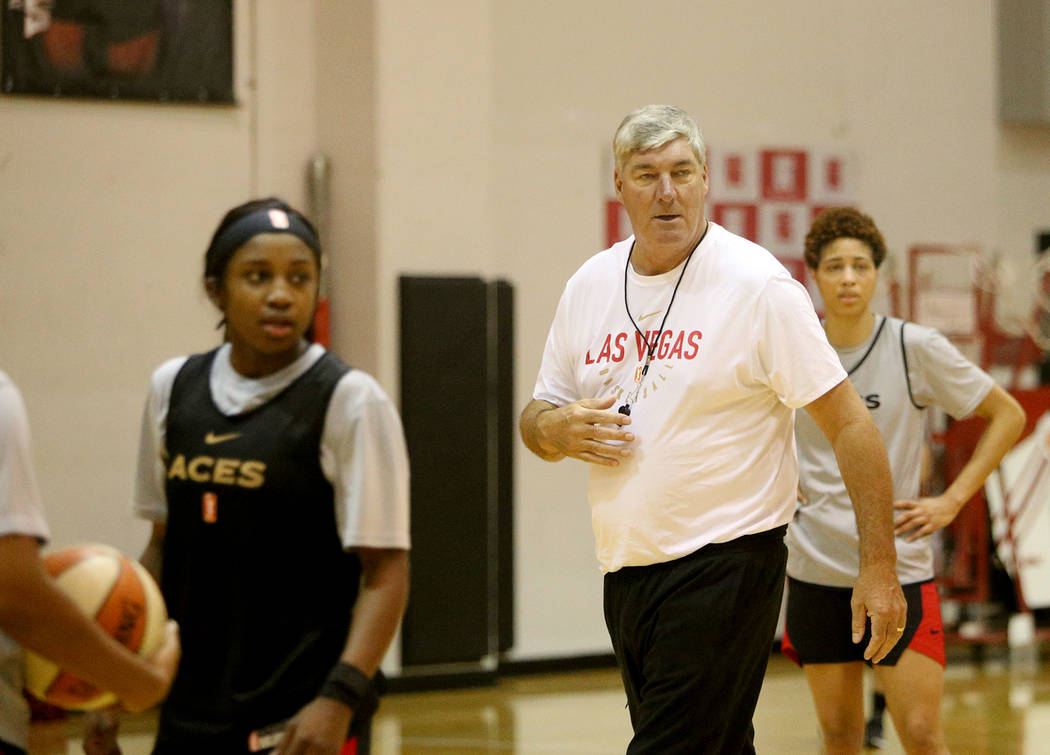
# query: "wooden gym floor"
{"type": "Point", "coordinates": [989, 707]}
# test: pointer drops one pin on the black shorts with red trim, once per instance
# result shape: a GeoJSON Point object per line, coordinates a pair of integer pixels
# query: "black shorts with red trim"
{"type": "Point", "coordinates": [819, 625]}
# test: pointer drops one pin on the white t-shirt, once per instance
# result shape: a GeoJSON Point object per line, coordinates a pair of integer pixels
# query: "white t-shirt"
{"type": "Point", "coordinates": [714, 454]}
{"type": "Point", "coordinates": [363, 453]}
{"type": "Point", "coordinates": [823, 544]}
{"type": "Point", "coordinates": [20, 514]}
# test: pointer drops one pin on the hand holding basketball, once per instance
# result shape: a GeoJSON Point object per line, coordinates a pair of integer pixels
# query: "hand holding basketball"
{"type": "Point", "coordinates": [121, 596]}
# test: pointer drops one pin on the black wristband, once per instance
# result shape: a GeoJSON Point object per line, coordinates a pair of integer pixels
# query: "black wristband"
{"type": "Point", "coordinates": [352, 687]}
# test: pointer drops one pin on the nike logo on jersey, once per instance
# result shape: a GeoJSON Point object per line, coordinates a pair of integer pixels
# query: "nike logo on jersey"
{"type": "Point", "coordinates": [211, 438]}
{"type": "Point", "coordinates": [873, 401]}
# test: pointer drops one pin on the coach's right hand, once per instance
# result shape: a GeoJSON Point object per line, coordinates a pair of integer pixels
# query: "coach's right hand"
{"type": "Point", "coordinates": [589, 430]}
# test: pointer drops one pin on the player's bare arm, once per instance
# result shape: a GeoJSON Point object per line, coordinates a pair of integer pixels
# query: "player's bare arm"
{"type": "Point", "coordinates": [1006, 421]}
{"type": "Point", "coordinates": [153, 554]}
{"type": "Point", "coordinates": [865, 469]}
{"type": "Point", "coordinates": [588, 430]}
{"type": "Point", "coordinates": [321, 725]}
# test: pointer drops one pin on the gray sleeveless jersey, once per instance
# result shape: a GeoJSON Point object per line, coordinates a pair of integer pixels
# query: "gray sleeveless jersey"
{"type": "Point", "coordinates": [899, 371]}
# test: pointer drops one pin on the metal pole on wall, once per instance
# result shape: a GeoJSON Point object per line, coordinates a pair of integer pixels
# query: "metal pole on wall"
{"type": "Point", "coordinates": [318, 172]}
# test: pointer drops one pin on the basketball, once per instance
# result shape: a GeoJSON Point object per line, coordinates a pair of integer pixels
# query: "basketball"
{"type": "Point", "coordinates": [121, 596]}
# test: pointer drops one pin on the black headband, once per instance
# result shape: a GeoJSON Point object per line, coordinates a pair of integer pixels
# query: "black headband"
{"type": "Point", "coordinates": [265, 220]}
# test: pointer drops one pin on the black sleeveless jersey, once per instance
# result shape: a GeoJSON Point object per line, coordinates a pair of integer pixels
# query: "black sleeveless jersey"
{"type": "Point", "coordinates": [254, 570]}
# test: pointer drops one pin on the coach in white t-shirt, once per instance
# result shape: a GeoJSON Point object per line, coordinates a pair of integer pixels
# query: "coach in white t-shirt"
{"type": "Point", "coordinates": [673, 367]}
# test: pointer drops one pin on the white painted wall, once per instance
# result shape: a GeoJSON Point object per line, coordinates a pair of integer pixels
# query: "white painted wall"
{"type": "Point", "coordinates": [434, 82]}
{"type": "Point", "coordinates": [467, 137]}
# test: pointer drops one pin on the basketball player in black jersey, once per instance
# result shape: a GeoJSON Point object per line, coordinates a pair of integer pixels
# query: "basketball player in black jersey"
{"type": "Point", "coordinates": [276, 480]}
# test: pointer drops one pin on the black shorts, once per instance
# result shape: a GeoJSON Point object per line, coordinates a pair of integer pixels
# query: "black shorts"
{"type": "Point", "coordinates": [819, 621]}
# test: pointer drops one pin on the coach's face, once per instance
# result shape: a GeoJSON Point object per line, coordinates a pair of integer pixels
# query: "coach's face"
{"type": "Point", "coordinates": [663, 191]}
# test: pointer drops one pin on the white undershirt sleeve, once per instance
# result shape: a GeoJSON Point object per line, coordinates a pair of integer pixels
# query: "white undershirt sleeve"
{"type": "Point", "coordinates": [149, 499]}
{"type": "Point", "coordinates": [363, 455]}
{"type": "Point", "coordinates": [941, 375]}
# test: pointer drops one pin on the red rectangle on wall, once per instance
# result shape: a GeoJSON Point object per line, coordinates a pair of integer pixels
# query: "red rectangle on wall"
{"type": "Point", "coordinates": [783, 175]}
{"type": "Point", "coordinates": [737, 217]}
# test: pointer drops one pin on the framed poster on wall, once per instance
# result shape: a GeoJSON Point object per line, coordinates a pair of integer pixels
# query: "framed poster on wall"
{"type": "Point", "coordinates": [164, 50]}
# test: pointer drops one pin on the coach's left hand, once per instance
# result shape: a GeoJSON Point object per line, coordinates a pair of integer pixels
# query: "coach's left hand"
{"type": "Point", "coordinates": [878, 598]}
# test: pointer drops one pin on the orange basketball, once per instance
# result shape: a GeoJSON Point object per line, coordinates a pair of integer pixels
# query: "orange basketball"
{"type": "Point", "coordinates": [121, 596]}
